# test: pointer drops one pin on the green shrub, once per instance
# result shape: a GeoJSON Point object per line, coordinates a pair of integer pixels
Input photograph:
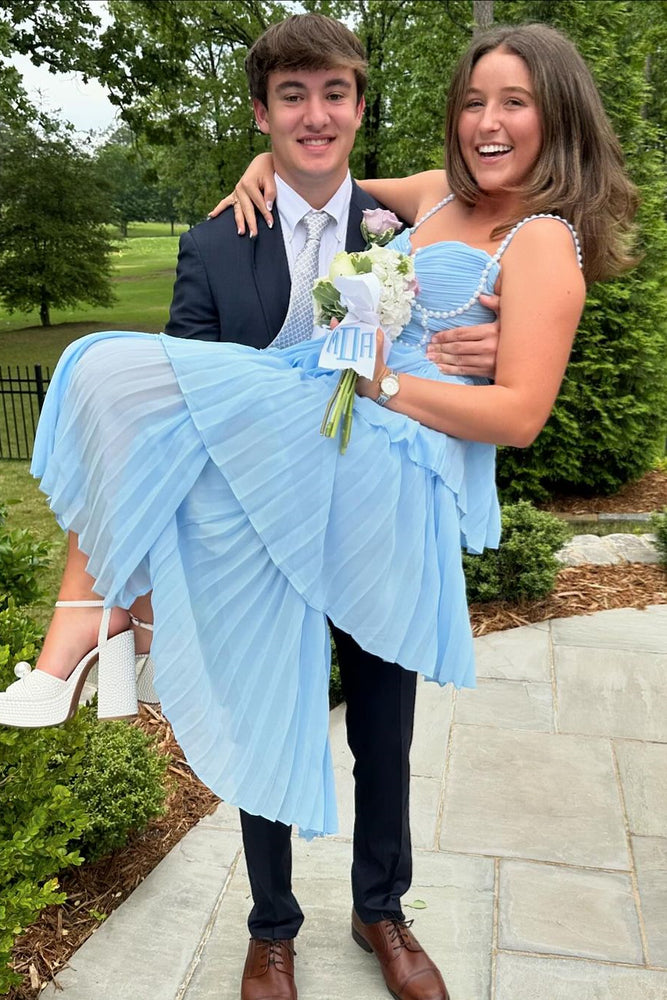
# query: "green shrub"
{"type": "Point", "coordinates": [19, 639]}
{"type": "Point", "coordinates": [21, 559]}
{"type": "Point", "coordinates": [40, 822]}
{"type": "Point", "coordinates": [524, 566]}
{"type": "Point", "coordinates": [659, 527]}
{"type": "Point", "coordinates": [120, 784]}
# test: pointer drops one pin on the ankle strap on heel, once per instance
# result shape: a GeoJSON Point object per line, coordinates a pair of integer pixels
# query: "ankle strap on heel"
{"type": "Point", "coordinates": [79, 604]}
{"type": "Point", "coordinates": [140, 623]}
{"type": "Point", "coordinates": [103, 634]}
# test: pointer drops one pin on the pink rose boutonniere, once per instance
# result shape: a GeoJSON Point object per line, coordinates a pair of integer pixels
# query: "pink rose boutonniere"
{"type": "Point", "coordinates": [378, 226]}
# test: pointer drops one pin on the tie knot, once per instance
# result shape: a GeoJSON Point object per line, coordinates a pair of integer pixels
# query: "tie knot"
{"type": "Point", "coordinates": [316, 223]}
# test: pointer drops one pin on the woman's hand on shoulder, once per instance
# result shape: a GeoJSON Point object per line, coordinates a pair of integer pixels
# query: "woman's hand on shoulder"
{"type": "Point", "coordinates": [255, 191]}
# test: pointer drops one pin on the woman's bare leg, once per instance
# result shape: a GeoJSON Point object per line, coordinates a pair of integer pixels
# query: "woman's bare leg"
{"type": "Point", "coordinates": [73, 631]}
{"type": "Point", "coordinates": [143, 610]}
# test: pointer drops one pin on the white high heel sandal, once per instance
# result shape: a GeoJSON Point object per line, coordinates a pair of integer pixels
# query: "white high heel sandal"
{"type": "Point", "coordinates": [146, 693]}
{"type": "Point", "coordinates": [39, 699]}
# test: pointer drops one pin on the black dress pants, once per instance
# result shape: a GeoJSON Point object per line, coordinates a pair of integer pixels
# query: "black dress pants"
{"type": "Point", "coordinates": [380, 699]}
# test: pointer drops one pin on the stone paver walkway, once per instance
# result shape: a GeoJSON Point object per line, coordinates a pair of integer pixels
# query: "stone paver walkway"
{"type": "Point", "coordinates": [539, 816]}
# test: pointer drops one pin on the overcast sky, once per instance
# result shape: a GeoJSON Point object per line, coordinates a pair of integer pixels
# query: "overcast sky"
{"type": "Point", "coordinates": [85, 105]}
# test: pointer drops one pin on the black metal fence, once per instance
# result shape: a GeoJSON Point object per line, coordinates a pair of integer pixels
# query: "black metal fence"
{"type": "Point", "coordinates": [21, 399]}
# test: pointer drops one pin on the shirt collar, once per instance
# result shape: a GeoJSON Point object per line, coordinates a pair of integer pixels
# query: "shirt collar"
{"type": "Point", "coordinates": [292, 207]}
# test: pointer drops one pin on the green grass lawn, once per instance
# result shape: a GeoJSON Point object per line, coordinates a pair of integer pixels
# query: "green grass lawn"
{"type": "Point", "coordinates": [143, 278]}
{"type": "Point", "coordinates": [28, 508]}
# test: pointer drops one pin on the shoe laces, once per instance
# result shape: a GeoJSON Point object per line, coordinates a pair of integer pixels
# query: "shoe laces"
{"type": "Point", "coordinates": [399, 933]}
{"type": "Point", "coordinates": [276, 952]}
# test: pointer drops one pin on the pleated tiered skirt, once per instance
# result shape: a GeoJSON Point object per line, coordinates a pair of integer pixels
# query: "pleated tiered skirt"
{"type": "Point", "coordinates": [197, 471]}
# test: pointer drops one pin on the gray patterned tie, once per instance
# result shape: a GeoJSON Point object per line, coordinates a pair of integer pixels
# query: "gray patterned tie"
{"type": "Point", "coordinates": [298, 323]}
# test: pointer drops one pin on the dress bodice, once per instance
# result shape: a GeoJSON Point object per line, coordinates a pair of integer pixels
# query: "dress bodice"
{"type": "Point", "coordinates": [449, 274]}
{"type": "Point", "coordinates": [451, 277]}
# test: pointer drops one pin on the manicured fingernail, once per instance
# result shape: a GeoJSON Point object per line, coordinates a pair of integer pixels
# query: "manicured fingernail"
{"type": "Point", "coordinates": [269, 223]}
{"type": "Point", "coordinates": [209, 216]}
{"type": "Point", "coordinates": [269, 206]}
{"type": "Point", "coordinates": [239, 231]}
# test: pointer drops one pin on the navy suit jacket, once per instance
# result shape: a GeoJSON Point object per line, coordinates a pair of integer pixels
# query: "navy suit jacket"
{"type": "Point", "coordinates": [232, 288]}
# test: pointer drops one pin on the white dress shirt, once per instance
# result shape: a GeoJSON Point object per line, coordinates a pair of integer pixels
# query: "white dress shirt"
{"type": "Point", "coordinates": [292, 208]}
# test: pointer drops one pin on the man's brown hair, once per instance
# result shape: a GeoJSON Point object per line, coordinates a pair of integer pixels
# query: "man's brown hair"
{"type": "Point", "coordinates": [304, 41]}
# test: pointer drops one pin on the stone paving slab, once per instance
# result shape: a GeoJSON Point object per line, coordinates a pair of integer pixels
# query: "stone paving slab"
{"type": "Point", "coordinates": [650, 855]}
{"type": "Point", "coordinates": [536, 796]}
{"type": "Point", "coordinates": [643, 770]}
{"type": "Point", "coordinates": [507, 705]}
{"type": "Point", "coordinates": [520, 654]}
{"type": "Point", "coordinates": [612, 692]}
{"type": "Point", "coordinates": [551, 909]}
{"type": "Point", "coordinates": [624, 628]}
{"type": "Point", "coordinates": [523, 977]}
{"type": "Point", "coordinates": [145, 948]}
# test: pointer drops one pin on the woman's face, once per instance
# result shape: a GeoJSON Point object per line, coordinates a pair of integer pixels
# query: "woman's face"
{"type": "Point", "coordinates": [500, 128]}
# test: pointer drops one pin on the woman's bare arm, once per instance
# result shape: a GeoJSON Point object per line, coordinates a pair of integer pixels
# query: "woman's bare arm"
{"type": "Point", "coordinates": [406, 196]}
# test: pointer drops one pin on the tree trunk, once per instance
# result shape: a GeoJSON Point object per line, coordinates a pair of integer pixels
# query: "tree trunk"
{"type": "Point", "coordinates": [44, 314]}
{"type": "Point", "coordinates": [172, 226]}
{"type": "Point", "coordinates": [123, 228]}
{"type": "Point", "coordinates": [482, 13]}
{"type": "Point", "coordinates": [372, 136]}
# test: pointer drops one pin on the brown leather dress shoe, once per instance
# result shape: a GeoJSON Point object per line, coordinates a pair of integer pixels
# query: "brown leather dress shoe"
{"type": "Point", "coordinates": [269, 971]}
{"type": "Point", "coordinates": [408, 971]}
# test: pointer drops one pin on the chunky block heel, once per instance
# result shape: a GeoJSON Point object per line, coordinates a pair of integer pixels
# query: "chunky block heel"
{"type": "Point", "coordinates": [116, 678]}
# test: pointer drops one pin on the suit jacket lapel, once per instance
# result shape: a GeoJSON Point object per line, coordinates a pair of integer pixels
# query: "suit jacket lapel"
{"type": "Point", "coordinates": [359, 201]}
{"type": "Point", "coordinates": [271, 274]}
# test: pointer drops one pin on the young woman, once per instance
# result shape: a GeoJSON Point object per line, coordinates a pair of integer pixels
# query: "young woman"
{"type": "Point", "coordinates": [197, 470]}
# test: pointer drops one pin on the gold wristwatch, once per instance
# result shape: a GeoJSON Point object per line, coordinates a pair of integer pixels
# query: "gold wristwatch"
{"type": "Point", "coordinates": [389, 386]}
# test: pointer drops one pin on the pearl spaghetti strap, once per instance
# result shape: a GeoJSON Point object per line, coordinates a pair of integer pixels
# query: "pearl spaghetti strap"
{"type": "Point", "coordinates": [425, 314]}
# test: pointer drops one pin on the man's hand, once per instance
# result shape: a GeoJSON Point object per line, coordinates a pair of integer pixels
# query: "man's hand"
{"type": "Point", "coordinates": [468, 350]}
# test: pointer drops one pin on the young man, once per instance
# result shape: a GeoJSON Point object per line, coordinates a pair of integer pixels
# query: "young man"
{"type": "Point", "coordinates": [307, 78]}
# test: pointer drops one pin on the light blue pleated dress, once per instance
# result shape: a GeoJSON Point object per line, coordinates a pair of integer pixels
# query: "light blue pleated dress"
{"type": "Point", "coordinates": [197, 470]}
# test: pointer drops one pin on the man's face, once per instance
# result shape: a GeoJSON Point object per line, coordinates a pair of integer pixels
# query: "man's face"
{"type": "Point", "coordinates": [312, 118]}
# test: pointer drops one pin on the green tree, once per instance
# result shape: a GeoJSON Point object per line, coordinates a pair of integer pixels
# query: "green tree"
{"type": "Point", "coordinates": [59, 35]}
{"type": "Point", "coordinates": [135, 195]}
{"type": "Point", "coordinates": [54, 248]}
{"type": "Point", "coordinates": [175, 70]}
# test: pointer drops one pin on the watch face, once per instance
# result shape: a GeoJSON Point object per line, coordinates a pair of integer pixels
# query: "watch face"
{"type": "Point", "coordinates": [389, 384]}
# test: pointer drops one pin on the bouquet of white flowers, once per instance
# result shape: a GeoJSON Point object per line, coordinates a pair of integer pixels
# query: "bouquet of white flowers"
{"type": "Point", "coordinates": [364, 290]}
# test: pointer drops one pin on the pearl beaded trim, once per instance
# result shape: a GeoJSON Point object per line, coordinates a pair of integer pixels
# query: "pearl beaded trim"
{"type": "Point", "coordinates": [426, 314]}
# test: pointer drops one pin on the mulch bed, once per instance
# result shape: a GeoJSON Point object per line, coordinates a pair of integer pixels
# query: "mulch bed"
{"type": "Point", "coordinates": [44, 949]}
{"type": "Point", "coordinates": [646, 495]}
